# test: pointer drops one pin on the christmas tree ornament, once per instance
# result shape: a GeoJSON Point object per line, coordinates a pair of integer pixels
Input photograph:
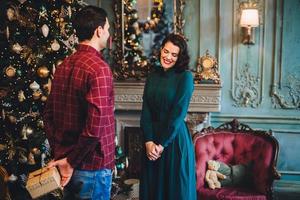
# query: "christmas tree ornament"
{"type": "Point", "coordinates": [21, 96]}
{"type": "Point", "coordinates": [43, 13]}
{"type": "Point", "coordinates": [19, 72]}
{"type": "Point", "coordinates": [12, 178]}
{"type": "Point", "coordinates": [55, 45]}
{"type": "Point", "coordinates": [43, 72]}
{"type": "Point", "coordinates": [34, 86]}
{"type": "Point", "coordinates": [3, 114]}
{"type": "Point", "coordinates": [29, 130]}
{"type": "Point", "coordinates": [45, 30]}
{"type": "Point", "coordinates": [40, 123]}
{"type": "Point", "coordinates": [35, 151]}
{"type": "Point", "coordinates": [22, 1]}
{"type": "Point", "coordinates": [12, 119]}
{"type": "Point", "coordinates": [22, 157]}
{"type": "Point", "coordinates": [24, 133]}
{"type": "Point", "coordinates": [3, 92]}
{"type": "Point", "coordinates": [44, 98]}
{"type": "Point", "coordinates": [30, 159]}
{"type": "Point", "coordinates": [17, 48]}
{"type": "Point", "coordinates": [69, 1]}
{"type": "Point", "coordinates": [36, 94]}
{"type": "Point", "coordinates": [11, 14]}
{"type": "Point", "coordinates": [7, 32]}
{"type": "Point", "coordinates": [10, 71]}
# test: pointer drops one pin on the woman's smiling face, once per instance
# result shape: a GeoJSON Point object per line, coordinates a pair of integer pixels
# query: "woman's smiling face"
{"type": "Point", "coordinates": [169, 55]}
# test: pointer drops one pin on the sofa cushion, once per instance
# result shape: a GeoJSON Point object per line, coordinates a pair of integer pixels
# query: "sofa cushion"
{"type": "Point", "coordinates": [229, 193]}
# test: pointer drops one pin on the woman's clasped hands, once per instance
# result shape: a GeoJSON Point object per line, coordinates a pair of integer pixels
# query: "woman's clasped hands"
{"type": "Point", "coordinates": [153, 150]}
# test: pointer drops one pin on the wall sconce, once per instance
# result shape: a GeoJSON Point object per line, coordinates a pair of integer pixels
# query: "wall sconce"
{"type": "Point", "coordinates": [249, 20]}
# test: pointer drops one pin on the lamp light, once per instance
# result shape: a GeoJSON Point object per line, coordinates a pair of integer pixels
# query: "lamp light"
{"type": "Point", "coordinates": [249, 20]}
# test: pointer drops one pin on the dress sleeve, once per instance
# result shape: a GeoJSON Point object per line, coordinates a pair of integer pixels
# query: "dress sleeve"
{"type": "Point", "coordinates": [146, 119]}
{"type": "Point", "coordinates": [179, 109]}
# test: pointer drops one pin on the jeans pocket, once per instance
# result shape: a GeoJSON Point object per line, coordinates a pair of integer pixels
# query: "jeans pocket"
{"type": "Point", "coordinates": [87, 182]}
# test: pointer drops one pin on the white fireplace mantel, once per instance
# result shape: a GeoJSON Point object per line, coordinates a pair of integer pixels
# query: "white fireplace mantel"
{"type": "Point", "coordinates": [206, 97]}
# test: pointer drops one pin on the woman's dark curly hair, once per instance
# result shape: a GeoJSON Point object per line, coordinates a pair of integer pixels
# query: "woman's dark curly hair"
{"type": "Point", "coordinates": [183, 60]}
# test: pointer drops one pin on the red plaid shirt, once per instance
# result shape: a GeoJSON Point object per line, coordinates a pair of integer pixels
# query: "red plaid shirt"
{"type": "Point", "coordinates": [79, 115]}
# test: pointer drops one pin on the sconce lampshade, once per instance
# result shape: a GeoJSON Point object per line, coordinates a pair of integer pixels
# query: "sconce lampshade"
{"type": "Point", "coordinates": [249, 18]}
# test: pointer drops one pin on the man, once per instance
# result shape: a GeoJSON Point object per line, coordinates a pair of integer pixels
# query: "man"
{"type": "Point", "coordinates": [79, 116]}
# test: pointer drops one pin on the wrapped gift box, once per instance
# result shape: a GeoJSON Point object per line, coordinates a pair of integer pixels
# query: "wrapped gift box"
{"type": "Point", "coordinates": [43, 181]}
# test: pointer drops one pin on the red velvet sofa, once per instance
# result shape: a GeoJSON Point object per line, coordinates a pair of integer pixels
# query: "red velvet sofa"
{"type": "Point", "coordinates": [234, 143]}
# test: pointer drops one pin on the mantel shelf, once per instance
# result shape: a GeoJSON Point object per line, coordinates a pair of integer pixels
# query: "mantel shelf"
{"type": "Point", "coordinates": [206, 97]}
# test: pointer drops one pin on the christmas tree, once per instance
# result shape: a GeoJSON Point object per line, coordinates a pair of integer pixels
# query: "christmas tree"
{"type": "Point", "coordinates": [35, 36]}
{"type": "Point", "coordinates": [162, 28]}
{"type": "Point", "coordinates": [135, 64]}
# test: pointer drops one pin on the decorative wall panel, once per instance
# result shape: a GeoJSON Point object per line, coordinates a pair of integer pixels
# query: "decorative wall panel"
{"type": "Point", "coordinates": [247, 63]}
{"type": "Point", "coordinates": [286, 69]}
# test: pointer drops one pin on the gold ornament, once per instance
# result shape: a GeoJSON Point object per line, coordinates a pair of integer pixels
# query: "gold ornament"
{"type": "Point", "coordinates": [10, 71]}
{"type": "Point", "coordinates": [36, 94]}
{"type": "Point", "coordinates": [21, 96]}
{"type": "Point", "coordinates": [43, 72]}
{"type": "Point", "coordinates": [35, 151]}
{"type": "Point", "coordinates": [44, 98]}
{"type": "Point", "coordinates": [17, 48]}
{"type": "Point", "coordinates": [11, 14]}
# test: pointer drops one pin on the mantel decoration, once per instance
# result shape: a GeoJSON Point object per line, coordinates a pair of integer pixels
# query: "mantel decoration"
{"type": "Point", "coordinates": [35, 36]}
{"type": "Point", "coordinates": [130, 62]}
{"type": "Point", "coordinates": [207, 70]}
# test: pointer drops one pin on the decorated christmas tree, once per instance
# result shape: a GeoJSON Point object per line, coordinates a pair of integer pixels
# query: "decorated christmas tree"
{"type": "Point", "coordinates": [135, 64]}
{"type": "Point", "coordinates": [133, 54]}
{"type": "Point", "coordinates": [35, 36]}
{"type": "Point", "coordinates": [161, 29]}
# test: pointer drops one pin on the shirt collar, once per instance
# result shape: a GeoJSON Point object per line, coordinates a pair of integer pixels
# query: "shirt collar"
{"type": "Point", "coordinates": [84, 47]}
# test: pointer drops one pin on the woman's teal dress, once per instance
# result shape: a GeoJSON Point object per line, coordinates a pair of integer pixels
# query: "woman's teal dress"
{"type": "Point", "coordinates": [165, 104]}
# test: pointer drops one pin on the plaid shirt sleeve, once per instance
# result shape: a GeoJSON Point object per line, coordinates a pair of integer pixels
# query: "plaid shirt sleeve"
{"type": "Point", "coordinates": [99, 101]}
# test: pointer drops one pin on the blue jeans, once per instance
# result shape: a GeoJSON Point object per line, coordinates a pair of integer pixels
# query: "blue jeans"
{"type": "Point", "coordinates": [93, 185]}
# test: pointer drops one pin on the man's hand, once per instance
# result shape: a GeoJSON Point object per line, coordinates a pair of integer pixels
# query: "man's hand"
{"type": "Point", "coordinates": [65, 170]}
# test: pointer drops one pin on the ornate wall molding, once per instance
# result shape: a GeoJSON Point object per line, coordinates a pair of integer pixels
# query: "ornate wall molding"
{"type": "Point", "coordinates": [246, 91]}
{"type": "Point", "coordinates": [285, 92]}
{"type": "Point", "coordinates": [247, 80]}
{"type": "Point", "coordinates": [288, 96]}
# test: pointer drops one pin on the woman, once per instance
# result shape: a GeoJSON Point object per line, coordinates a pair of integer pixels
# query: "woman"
{"type": "Point", "coordinates": [168, 170]}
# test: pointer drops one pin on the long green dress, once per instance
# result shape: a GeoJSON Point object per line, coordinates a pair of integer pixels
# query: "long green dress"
{"type": "Point", "coordinates": [165, 104]}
